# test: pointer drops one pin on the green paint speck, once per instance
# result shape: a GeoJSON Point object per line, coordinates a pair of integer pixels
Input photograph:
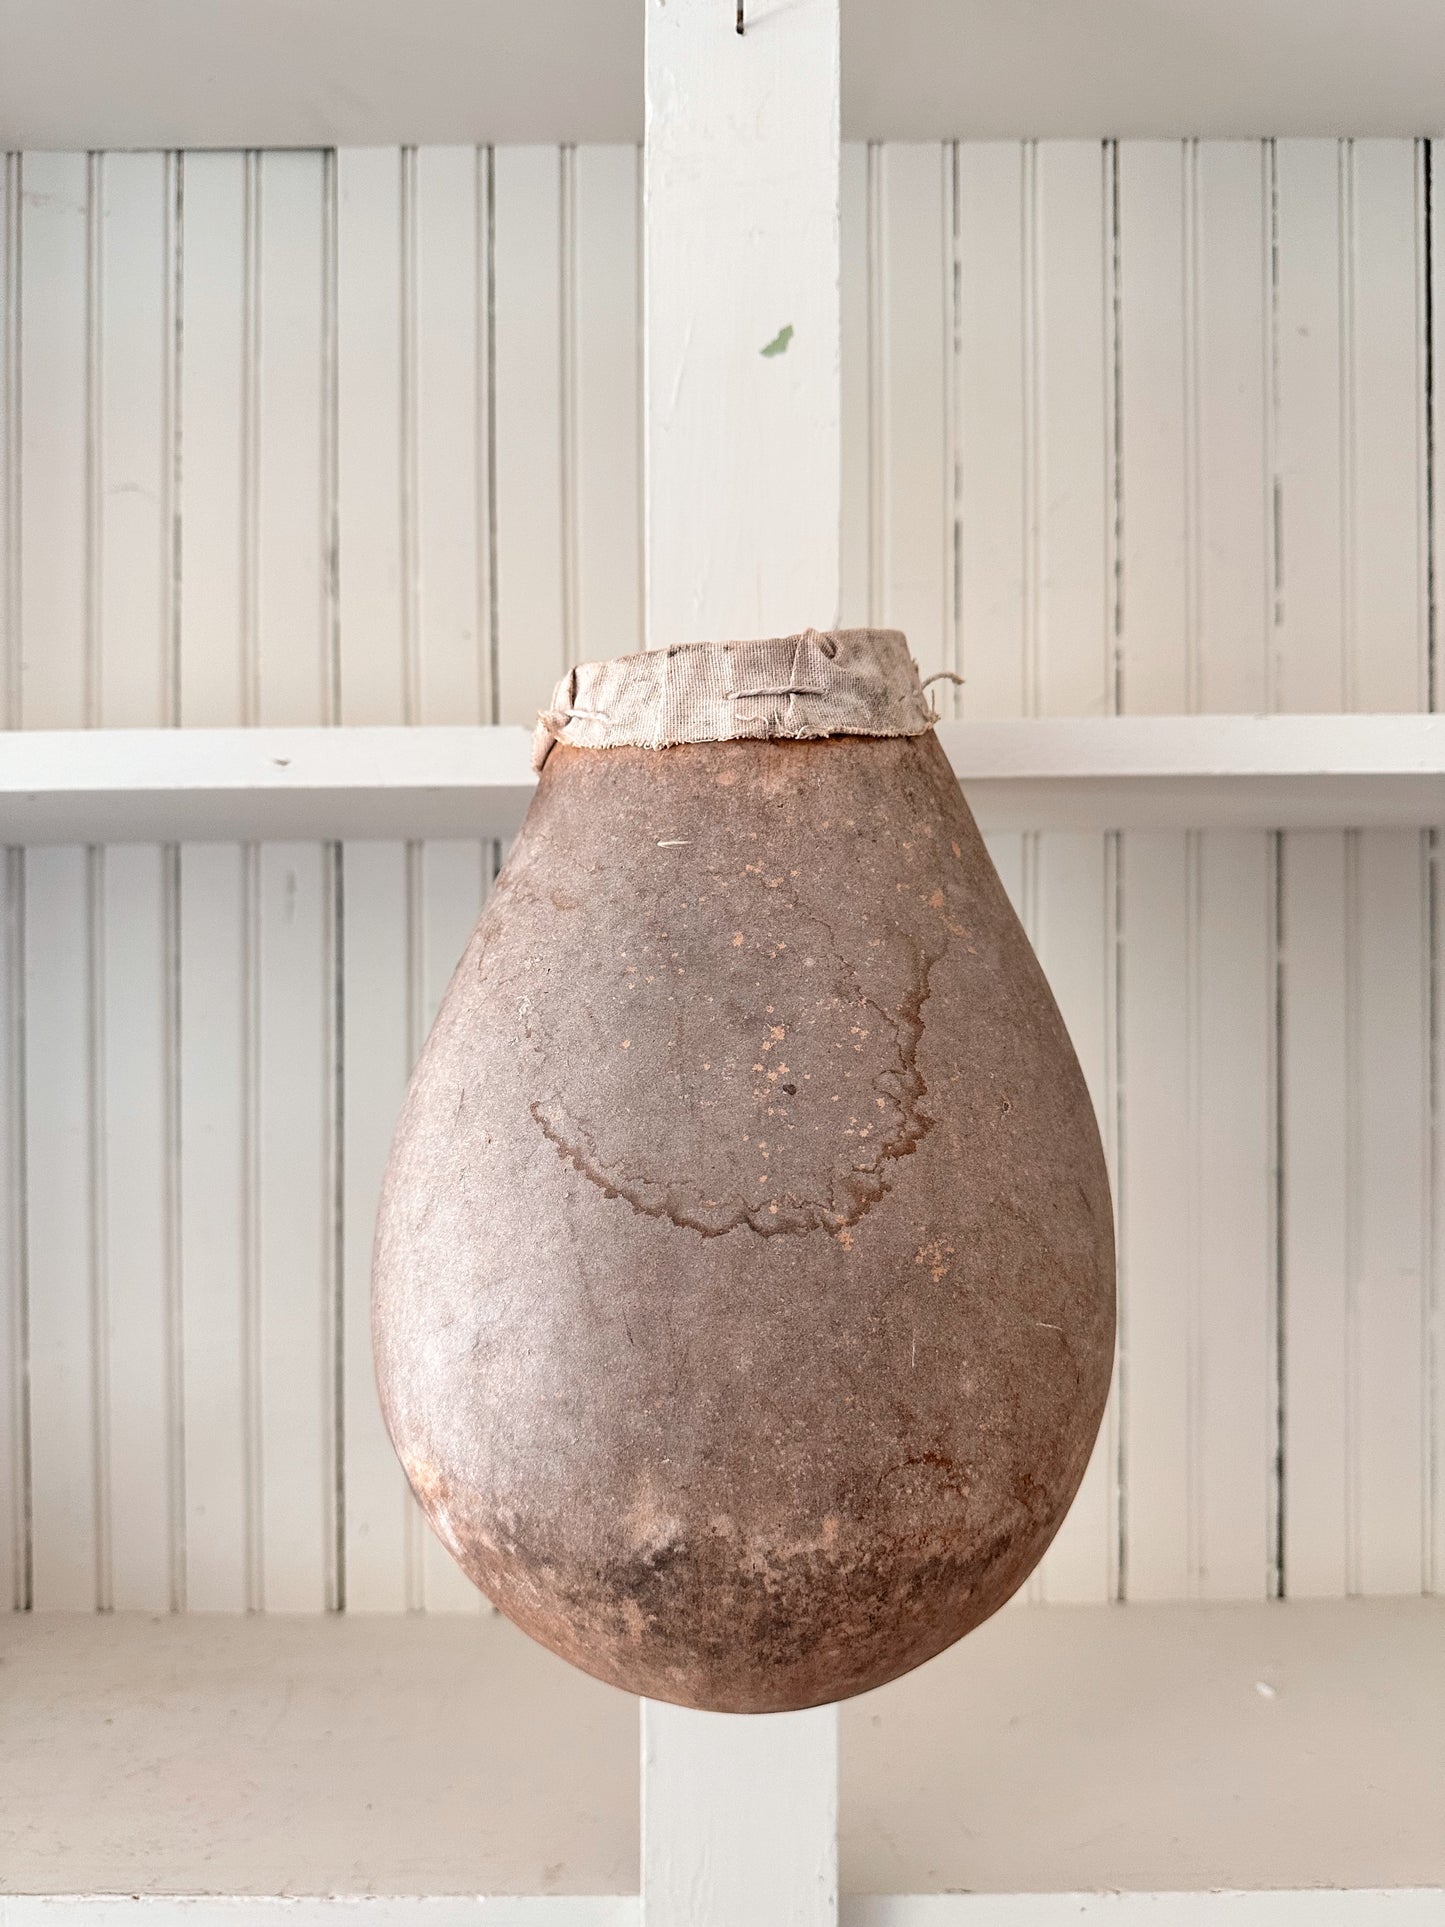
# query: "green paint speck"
{"type": "Point", "coordinates": [779, 343]}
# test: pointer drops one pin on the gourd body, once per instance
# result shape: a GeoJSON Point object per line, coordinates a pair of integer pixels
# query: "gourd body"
{"type": "Point", "coordinates": [744, 1285]}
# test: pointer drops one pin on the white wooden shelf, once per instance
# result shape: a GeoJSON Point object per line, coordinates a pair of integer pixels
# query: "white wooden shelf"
{"type": "Point", "coordinates": [1063, 1764]}
{"type": "Point", "coordinates": [1127, 772]}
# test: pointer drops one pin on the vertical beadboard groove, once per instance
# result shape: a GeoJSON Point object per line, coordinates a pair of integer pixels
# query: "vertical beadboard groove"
{"type": "Point", "coordinates": [329, 504]}
{"type": "Point", "coordinates": [1114, 405]}
{"type": "Point", "coordinates": [94, 936]}
{"type": "Point", "coordinates": [335, 877]}
{"type": "Point", "coordinates": [336, 1548]}
{"type": "Point", "coordinates": [174, 1299]}
{"type": "Point", "coordinates": [1435, 1300]}
{"type": "Point", "coordinates": [487, 388]}
{"type": "Point", "coordinates": [253, 1569]}
{"type": "Point", "coordinates": [1348, 448]}
{"type": "Point", "coordinates": [1113, 1150]}
{"type": "Point", "coordinates": [10, 446]}
{"type": "Point", "coordinates": [252, 1419]}
{"type": "Point", "coordinates": [854, 359]}
{"type": "Point", "coordinates": [1423, 387]}
{"type": "Point", "coordinates": [171, 1580]}
{"type": "Point", "coordinates": [414, 1543]}
{"type": "Point", "coordinates": [953, 456]}
{"type": "Point", "coordinates": [250, 441]}
{"type": "Point", "coordinates": [1272, 436]}
{"type": "Point", "coordinates": [1424, 1334]}
{"type": "Point", "coordinates": [1277, 1521]}
{"type": "Point", "coordinates": [1434, 1308]}
{"type": "Point", "coordinates": [175, 373]}
{"type": "Point", "coordinates": [413, 1549]}
{"type": "Point", "coordinates": [172, 1312]}
{"type": "Point", "coordinates": [1433, 1404]}
{"type": "Point", "coordinates": [16, 1565]}
{"type": "Point", "coordinates": [99, 1281]}
{"type": "Point", "coordinates": [90, 674]}
{"type": "Point", "coordinates": [1430, 422]}
{"type": "Point", "coordinates": [1350, 1415]}
{"type": "Point", "coordinates": [1194, 1488]}
{"type": "Point", "coordinates": [329, 1388]}
{"type": "Point", "coordinates": [1269, 590]}
{"type": "Point", "coordinates": [407, 480]}
{"type": "Point", "coordinates": [1193, 430]}
{"type": "Point", "coordinates": [1432, 1295]}
{"type": "Point", "coordinates": [877, 348]}
{"type": "Point", "coordinates": [569, 454]}
{"type": "Point", "coordinates": [1118, 1119]}
{"type": "Point", "coordinates": [639, 375]}
{"type": "Point", "coordinates": [1116, 600]}
{"type": "Point", "coordinates": [1032, 410]}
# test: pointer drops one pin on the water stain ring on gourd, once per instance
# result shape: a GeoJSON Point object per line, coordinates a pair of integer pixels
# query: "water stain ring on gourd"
{"type": "Point", "coordinates": [744, 1283]}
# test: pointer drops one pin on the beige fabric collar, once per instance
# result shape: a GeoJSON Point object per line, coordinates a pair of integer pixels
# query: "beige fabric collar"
{"type": "Point", "coordinates": [841, 682]}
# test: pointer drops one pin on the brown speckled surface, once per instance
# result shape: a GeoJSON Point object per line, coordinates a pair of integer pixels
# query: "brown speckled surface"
{"type": "Point", "coordinates": [744, 1287]}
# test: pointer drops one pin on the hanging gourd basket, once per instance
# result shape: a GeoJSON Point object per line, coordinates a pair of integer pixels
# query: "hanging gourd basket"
{"type": "Point", "coordinates": [744, 1284]}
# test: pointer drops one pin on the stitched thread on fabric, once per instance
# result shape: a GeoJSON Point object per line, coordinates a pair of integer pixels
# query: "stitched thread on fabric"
{"type": "Point", "coordinates": [843, 682]}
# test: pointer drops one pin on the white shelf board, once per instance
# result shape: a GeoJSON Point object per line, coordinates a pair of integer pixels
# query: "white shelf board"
{"type": "Point", "coordinates": [1202, 772]}
{"type": "Point", "coordinates": [241, 73]}
{"type": "Point", "coordinates": [1158, 1749]}
{"type": "Point", "coordinates": [1126, 772]}
{"type": "Point", "coordinates": [1063, 1764]}
{"type": "Point", "coordinates": [259, 785]}
{"type": "Point", "coordinates": [251, 1755]}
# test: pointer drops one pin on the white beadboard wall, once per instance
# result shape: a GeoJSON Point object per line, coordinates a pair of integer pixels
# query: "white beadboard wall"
{"type": "Point", "coordinates": [301, 437]}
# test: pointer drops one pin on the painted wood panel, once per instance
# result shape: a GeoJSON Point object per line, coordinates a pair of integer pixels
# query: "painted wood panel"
{"type": "Point", "coordinates": [1198, 1010]}
{"type": "Point", "coordinates": [64, 1316]}
{"type": "Point", "coordinates": [1075, 932]}
{"type": "Point", "coordinates": [452, 882]}
{"type": "Point", "coordinates": [136, 1152]}
{"type": "Point", "coordinates": [604, 421]}
{"type": "Point", "coordinates": [51, 589]}
{"type": "Point", "coordinates": [534, 644]}
{"type": "Point", "coordinates": [855, 332]}
{"type": "Point", "coordinates": [15, 1585]}
{"type": "Point", "coordinates": [912, 220]}
{"type": "Point", "coordinates": [288, 406]}
{"type": "Point", "coordinates": [381, 1553]}
{"type": "Point", "coordinates": [448, 593]}
{"type": "Point", "coordinates": [136, 420]}
{"type": "Point", "coordinates": [356, 437]}
{"type": "Point", "coordinates": [1074, 479]}
{"type": "Point", "coordinates": [995, 292]}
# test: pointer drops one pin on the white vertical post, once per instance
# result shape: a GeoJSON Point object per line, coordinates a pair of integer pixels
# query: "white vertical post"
{"type": "Point", "coordinates": [741, 324]}
{"type": "Point", "coordinates": [743, 464]}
